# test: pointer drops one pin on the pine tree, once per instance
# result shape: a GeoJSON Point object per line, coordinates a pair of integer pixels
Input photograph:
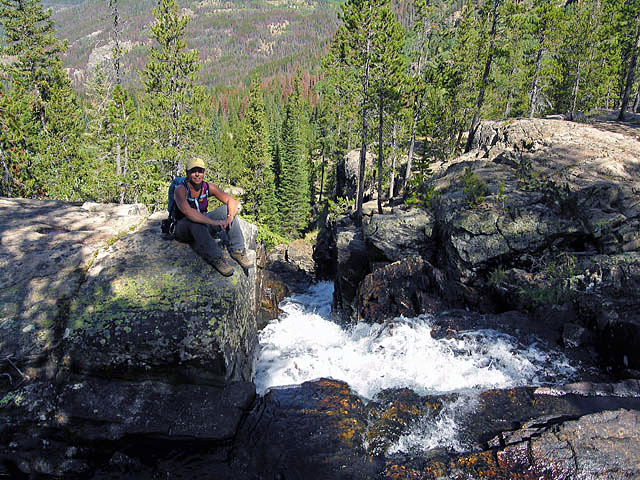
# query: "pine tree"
{"type": "Point", "coordinates": [419, 45]}
{"type": "Point", "coordinates": [632, 8]}
{"type": "Point", "coordinates": [356, 46]}
{"type": "Point", "coordinates": [29, 37]}
{"type": "Point", "coordinates": [541, 23]}
{"type": "Point", "coordinates": [293, 189]}
{"type": "Point", "coordinates": [47, 139]}
{"type": "Point", "coordinates": [485, 76]}
{"type": "Point", "coordinates": [171, 90]}
{"type": "Point", "coordinates": [387, 77]}
{"type": "Point", "coordinates": [19, 128]}
{"type": "Point", "coordinates": [258, 199]}
{"type": "Point", "coordinates": [228, 165]}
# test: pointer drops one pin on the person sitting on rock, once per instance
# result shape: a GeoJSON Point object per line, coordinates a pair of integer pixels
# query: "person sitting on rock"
{"type": "Point", "coordinates": [197, 227]}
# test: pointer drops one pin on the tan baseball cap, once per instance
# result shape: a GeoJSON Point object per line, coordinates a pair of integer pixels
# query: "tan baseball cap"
{"type": "Point", "coordinates": [195, 162]}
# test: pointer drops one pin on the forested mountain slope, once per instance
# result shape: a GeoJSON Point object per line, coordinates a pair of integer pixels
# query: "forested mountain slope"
{"type": "Point", "coordinates": [234, 38]}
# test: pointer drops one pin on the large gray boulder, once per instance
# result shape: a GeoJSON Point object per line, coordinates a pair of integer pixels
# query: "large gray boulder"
{"type": "Point", "coordinates": [405, 232]}
{"type": "Point", "coordinates": [352, 260]}
{"type": "Point", "coordinates": [559, 222]}
{"type": "Point", "coordinates": [347, 170]}
{"type": "Point", "coordinates": [152, 308]}
{"type": "Point", "coordinates": [107, 327]}
{"type": "Point", "coordinates": [540, 212]}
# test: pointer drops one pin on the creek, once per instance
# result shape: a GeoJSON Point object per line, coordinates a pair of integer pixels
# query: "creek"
{"type": "Point", "coordinates": [306, 344]}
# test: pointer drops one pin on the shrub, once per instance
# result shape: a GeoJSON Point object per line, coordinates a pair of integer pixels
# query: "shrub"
{"type": "Point", "coordinates": [474, 188]}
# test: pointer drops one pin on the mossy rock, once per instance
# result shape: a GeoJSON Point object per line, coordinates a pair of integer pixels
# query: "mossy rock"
{"type": "Point", "coordinates": [152, 308]}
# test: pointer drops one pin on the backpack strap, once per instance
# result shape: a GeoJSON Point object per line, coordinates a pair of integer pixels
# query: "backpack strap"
{"type": "Point", "coordinates": [201, 194]}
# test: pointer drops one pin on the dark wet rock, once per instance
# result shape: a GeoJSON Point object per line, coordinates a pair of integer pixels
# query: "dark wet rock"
{"type": "Point", "coordinates": [601, 445]}
{"type": "Point", "coordinates": [590, 447]}
{"type": "Point", "coordinates": [95, 409]}
{"type": "Point", "coordinates": [312, 431]}
{"type": "Point", "coordinates": [287, 269]}
{"type": "Point", "coordinates": [575, 336]}
{"type": "Point", "coordinates": [122, 463]}
{"type": "Point", "coordinates": [393, 412]}
{"type": "Point", "coordinates": [74, 424]}
{"type": "Point", "coordinates": [408, 287]}
{"type": "Point", "coordinates": [293, 263]}
{"type": "Point", "coordinates": [526, 407]}
{"type": "Point", "coordinates": [272, 290]}
{"type": "Point", "coordinates": [626, 388]}
{"type": "Point", "coordinates": [352, 264]}
{"type": "Point", "coordinates": [350, 439]}
{"type": "Point", "coordinates": [516, 324]}
{"type": "Point", "coordinates": [325, 256]}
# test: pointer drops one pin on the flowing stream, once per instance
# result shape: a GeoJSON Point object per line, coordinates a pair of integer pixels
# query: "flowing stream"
{"type": "Point", "coordinates": [305, 344]}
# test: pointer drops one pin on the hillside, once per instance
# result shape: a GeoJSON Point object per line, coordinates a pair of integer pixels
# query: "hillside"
{"type": "Point", "coordinates": [234, 38]}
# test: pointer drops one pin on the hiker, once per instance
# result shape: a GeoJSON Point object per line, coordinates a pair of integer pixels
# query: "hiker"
{"type": "Point", "coordinates": [196, 226]}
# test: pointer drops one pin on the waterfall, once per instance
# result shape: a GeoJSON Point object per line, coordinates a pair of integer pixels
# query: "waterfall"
{"type": "Point", "coordinates": [305, 344]}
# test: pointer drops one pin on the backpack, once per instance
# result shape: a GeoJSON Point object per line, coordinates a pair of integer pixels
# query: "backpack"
{"type": "Point", "coordinates": [168, 225]}
{"type": "Point", "coordinates": [171, 203]}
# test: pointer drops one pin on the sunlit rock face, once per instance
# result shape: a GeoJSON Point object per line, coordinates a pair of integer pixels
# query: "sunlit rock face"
{"type": "Point", "coordinates": [46, 246]}
{"type": "Point", "coordinates": [110, 330]}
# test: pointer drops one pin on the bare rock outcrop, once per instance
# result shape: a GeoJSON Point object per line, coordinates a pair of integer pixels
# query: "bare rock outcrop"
{"type": "Point", "coordinates": [106, 328]}
{"type": "Point", "coordinates": [541, 212]}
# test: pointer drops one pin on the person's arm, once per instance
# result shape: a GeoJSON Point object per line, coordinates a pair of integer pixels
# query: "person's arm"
{"type": "Point", "coordinates": [228, 200]}
{"type": "Point", "coordinates": [180, 197]}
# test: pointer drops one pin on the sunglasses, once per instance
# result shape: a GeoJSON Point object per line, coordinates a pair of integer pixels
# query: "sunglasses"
{"type": "Point", "coordinates": [196, 170]}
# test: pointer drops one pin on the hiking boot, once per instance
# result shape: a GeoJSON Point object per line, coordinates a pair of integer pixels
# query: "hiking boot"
{"type": "Point", "coordinates": [222, 266]}
{"type": "Point", "coordinates": [242, 258]}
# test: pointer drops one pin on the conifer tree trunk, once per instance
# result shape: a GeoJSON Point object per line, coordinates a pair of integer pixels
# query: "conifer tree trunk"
{"type": "Point", "coordinates": [417, 104]}
{"type": "Point", "coordinates": [485, 79]}
{"type": "Point", "coordinates": [120, 170]}
{"type": "Point", "coordinates": [380, 120]}
{"type": "Point", "coordinates": [536, 75]}
{"type": "Point", "coordinates": [412, 144]}
{"type": "Point", "coordinates": [116, 38]}
{"type": "Point", "coordinates": [392, 172]}
{"type": "Point", "coordinates": [576, 87]}
{"type": "Point", "coordinates": [364, 132]}
{"type": "Point", "coordinates": [322, 165]}
{"type": "Point", "coordinates": [6, 180]}
{"type": "Point", "coordinates": [630, 75]}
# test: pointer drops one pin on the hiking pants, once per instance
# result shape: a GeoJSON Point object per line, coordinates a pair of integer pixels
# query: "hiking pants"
{"type": "Point", "coordinates": [201, 236]}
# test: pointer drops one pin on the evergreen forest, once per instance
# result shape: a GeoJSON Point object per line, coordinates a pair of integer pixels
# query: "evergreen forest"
{"type": "Point", "coordinates": [405, 82]}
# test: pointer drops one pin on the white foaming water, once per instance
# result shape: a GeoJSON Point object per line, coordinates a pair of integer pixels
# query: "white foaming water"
{"type": "Point", "coordinates": [441, 432]}
{"type": "Point", "coordinates": [304, 344]}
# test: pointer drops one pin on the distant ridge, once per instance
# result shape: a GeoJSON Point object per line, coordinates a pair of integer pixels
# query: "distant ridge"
{"type": "Point", "coordinates": [234, 38]}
